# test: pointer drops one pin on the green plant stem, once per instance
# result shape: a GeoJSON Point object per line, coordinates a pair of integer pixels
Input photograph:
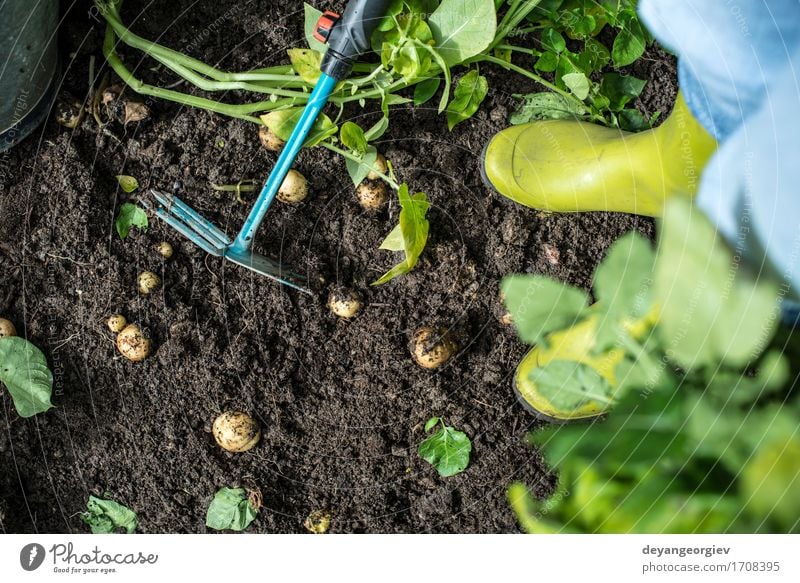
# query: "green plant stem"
{"type": "Point", "coordinates": [529, 75]}
{"type": "Point", "coordinates": [354, 158]}
{"type": "Point", "coordinates": [512, 19]}
{"type": "Point", "coordinates": [170, 57]}
{"type": "Point", "coordinates": [243, 111]}
{"type": "Point", "coordinates": [517, 49]}
{"type": "Point", "coordinates": [653, 367]}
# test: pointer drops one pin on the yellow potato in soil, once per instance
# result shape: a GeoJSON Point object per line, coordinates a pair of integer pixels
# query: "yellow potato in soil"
{"type": "Point", "coordinates": [7, 328]}
{"type": "Point", "coordinates": [236, 431]}
{"type": "Point", "coordinates": [432, 348]}
{"type": "Point", "coordinates": [133, 344]}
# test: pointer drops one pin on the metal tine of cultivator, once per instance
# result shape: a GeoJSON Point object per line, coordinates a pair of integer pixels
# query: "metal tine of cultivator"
{"type": "Point", "coordinates": [195, 221]}
{"type": "Point", "coordinates": [269, 268]}
{"type": "Point", "coordinates": [203, 233]}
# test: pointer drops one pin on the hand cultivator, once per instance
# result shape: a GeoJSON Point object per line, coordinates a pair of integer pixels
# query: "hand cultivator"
{"type": "Point", "coordinates": [347, 37]}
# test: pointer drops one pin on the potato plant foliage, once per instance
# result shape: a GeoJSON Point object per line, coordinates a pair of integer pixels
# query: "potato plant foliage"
{"type": "Point", "coordinates": [700, 433]}
{"type": "Point", "coordinates": [423, 48]}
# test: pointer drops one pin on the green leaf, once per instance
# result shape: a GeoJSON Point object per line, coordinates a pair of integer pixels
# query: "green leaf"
{"type": "Point", "coordinates": [352, 136]}
{"type": "Point", "coordinates": [414, 230]}
{"type": "Point", "coordinates": [310, 23]}
{"type": "Point", "coordinates": [431, 423]}
{"type": "Point", "coordinates": [622, 286]}
{"type": "Point", "coordinates": [130, 216]}
{"type": "Point", "coordinates": [377, 130]}
{"type": "Point", "coordinates": [569, 385]}
{"type": "Point", "coordinates": [620, 89]}
{"type": "Point", "coordinates": [631, 120]}
{"type": "Point", "coordinates": [712, 310]}
{"type": "Point", "coordinates": [425, 90]}
{"type": "Point", "coordinates": [539, 305]}
{"type": "Point", "coordinates": [24, 372]}
{"type": "Point", "coordinates": [628, 46]}
{"type": "Point", "coordinates": [553, 41]}
{"type": "Point", "coordinates": [358, 171]}
{"type": "Point", "coordinates": [641, 428]}
{"type": "Point", "coordinates": [469, 93]}
{"type": "Point", "coordinates": [578, 83]}
{"type": "Point", "coordinates": [463, 28]}
{"type": "Point", "coordinates": [127, 183]}
{"type": "Point", "coordinates": [282, 122]}
{"type": "Point", "coordinates": [306, 63]}
{"type": "Point", "coordinates": [547, 62]}
{"type": "Point", "coordinates": [394, 240]}
{"type": "Point", "coordinates": [230, 510]}
{"type": "Point", "coordinates": [594, 56]}
{"type": "Point", "coordinates": [447, 450]}
{"type": "Point", "coordinates": [107, 516]}
{"type": "Point", "coordinates": [546, 105]}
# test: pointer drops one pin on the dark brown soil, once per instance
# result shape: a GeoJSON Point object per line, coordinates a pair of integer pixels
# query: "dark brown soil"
{"type": "Point", "coordinates": [342, 403]}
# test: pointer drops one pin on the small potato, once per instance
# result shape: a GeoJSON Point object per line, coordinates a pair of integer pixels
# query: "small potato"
{"type": "Point", "coordinates": [380, 165]}
{"type": "Point", "coordinates": [372, 196]}
{"type": "Point", "coordinates": [345, 303]}
{"type": "Point", "coordinates": [318, 522]}
{"type": "Point", "coordinates": [165, 249]}
{"type": "Point", "coordinates": [7, 328]}
{"type": "Point", "coordinates": [269, 140]}
{"type": "Point", "coordinates": [506, 319]}
{"type": "Point", "coordinates": [148, 282]}
{"type": "Point", "coordinates": [432, 347]}
{"type": "Point", "coordinates": [116, 323]}
{"type": "Point", "coordinates": [236, 431]}
{"type": "Point", "coordinates": [132, 344]}
{"type": "Point", "coordinates": [294, 188]}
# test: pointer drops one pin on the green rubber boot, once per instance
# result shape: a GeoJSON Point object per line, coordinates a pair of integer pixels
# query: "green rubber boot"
{"type": "Point", "coordinates": [573, 166]}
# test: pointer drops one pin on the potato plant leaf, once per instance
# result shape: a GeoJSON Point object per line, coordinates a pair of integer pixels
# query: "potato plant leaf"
{"type": "Point", "coordinates": [306, 63]}
{"type": "Point", "coordinates": [282, 122]}
{"type": "Point", "coordinates": [130, 216]}
{"type": "Point", "coordinates": [425, 90]}
{"type": "Point", "coordinates": [622, 286]}
{"type": "Point", "coordinates": [546, 105]}
{"type": "Point", "coordinates": [358, 170]}
{"type": "Point", "coordinates": [108, 517]}
{"type": "Point", "coordinates": [714, 312]}
{"type": "Point", "coordinates": [468, 95]}
{"type": "Point", "coordinates": [539, 305]}
{"type": "Point", "coordinates": [463, 28]}
{"type": "Point", "coordinates": [230, 510]}
{"type": "Point", "coordinates": [569, 385]}
{"type": "Point", "coordinates": [24, 372]}
{"type": "Point", "coordinates": [578, 83]}
{"type": "Point", "coordinates": [127, 183]}
{"type": "Point", "coordinates": [447, 450]}
{"type": "Point", "coordinates": [413, 229]}
{"type": "Point", "coordinates": [352, 136]}
{"type": "Point", "coordinates": [310, 19]}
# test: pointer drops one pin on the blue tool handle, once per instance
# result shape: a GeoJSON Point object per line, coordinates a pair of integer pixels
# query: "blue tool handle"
{"type": "Point", "coordinates": [351, 36]}
{"type": "Point", "coordinates": [316, 101]}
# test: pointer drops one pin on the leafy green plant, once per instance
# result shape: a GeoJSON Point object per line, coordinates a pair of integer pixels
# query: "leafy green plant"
{"type": "Point", "coordinates": [410, 235]}
{"type": "Point", "coordinates": [130, 216]}
{"type": "Point", "coordinates": [691, 416]}
{"type": "Point", "coordinates": [447, 450]}
{"type": "Point", "coordinates": [232, 509]}
{"type": "Point", "coordinates": [107, 517]}
{"type": "Point", "coordinates": [419, 43]}
{"type": "Point", "coordinates": [24, 372]}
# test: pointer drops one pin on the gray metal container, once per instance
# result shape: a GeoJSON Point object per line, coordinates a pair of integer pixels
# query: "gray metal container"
{"type": "Point", "coordinates": [28, 65]}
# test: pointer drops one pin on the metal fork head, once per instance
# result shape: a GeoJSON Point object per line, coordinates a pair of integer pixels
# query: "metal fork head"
{"type": "Point", "coordinates": [203, 233]}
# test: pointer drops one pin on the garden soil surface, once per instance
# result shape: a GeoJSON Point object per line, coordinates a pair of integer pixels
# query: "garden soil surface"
{"type": "Point", "coordinates": [342, 403]}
